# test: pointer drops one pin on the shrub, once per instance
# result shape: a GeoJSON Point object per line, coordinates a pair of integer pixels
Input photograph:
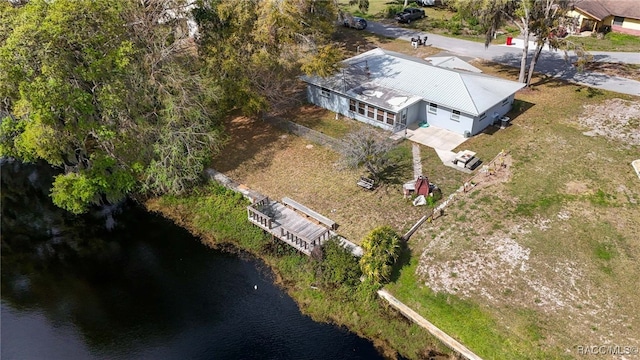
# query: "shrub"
{"type": "Point", "coordinates": [392, 10]}
{"type": "Point", "coordinates": [370, 149]}
{"type": "Point", "coordinates": [338, 266]}
{"type": "Point", "coordinates": [381, 249]}
{"type": "Point", "coordinates": [454, 27]}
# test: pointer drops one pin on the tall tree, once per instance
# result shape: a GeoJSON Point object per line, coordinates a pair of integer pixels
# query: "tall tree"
{"type": "Point", "coordinates": [548, 27]}
{"type": "Point", "coordinates": [537, 19]}
{"type": "Point", "coordinates": [257, 48]}
{"type": "Point", "coordinates": [111, 91]}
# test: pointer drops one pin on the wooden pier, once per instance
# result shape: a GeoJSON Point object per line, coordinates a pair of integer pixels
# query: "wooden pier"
{"type": "Point", "coordinates": [296, 228]}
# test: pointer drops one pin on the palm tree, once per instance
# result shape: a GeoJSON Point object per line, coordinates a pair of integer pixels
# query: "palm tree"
{"type": "Point", "coordinates": [380, 252]}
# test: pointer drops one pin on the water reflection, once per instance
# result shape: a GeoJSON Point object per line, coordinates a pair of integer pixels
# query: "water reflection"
{"type": "Point", "coordinates": [120, 283]}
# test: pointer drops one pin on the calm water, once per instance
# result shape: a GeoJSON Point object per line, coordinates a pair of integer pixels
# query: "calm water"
{"type": "Point", "coordinates": [145, 289]}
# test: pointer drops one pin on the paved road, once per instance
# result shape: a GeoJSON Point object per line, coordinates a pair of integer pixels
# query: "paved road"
{"type": "Point", "coordinates": [551, 63]}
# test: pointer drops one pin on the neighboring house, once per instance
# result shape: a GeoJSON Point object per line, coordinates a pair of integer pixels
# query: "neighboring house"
{"type": "Point", "coordinates": [621, 16]}
{"type": "Point", "coordinates": [392, 90]}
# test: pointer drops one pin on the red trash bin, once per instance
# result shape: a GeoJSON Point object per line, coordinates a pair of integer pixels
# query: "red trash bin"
{"type": "Point", "coordinates": [509, 40]}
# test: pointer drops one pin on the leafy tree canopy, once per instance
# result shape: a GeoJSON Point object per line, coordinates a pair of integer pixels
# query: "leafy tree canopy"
{"type": "Point", "coordinates": [258, 48]}
{"type": "Point", "coordinates": [537, 20]}
{"type": "Point", "coordinates": [109, 91]}
{"type": "Point", "coordinates": [120, 95]}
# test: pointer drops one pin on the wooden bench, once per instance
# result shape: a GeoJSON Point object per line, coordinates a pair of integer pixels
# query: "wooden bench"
{"type": "Point", "coordinates": [366, 183]}
{"type": "Point", "coordinates": [310, 213]}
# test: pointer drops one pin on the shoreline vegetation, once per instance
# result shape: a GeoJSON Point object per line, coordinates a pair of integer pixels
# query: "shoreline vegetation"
{"type": "Point", "coordinates": [217, 216]}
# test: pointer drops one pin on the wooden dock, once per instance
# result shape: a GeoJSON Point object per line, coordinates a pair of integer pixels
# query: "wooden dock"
{"type": "Point", "coordinates": [286, 224]}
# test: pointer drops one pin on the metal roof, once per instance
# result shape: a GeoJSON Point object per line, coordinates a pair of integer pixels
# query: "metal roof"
{"type": "Point", "coordinates": [470, 93]}
{"type": "Point", "coordinates": [452, 62]}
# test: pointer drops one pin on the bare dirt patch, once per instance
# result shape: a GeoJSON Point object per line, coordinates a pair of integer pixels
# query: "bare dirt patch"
{"type": "Point", "coordinates": [578, 188]}
{"type": "Point", "coordinates": [615, 119]}
{"type": "Point", "coordinates": [496, 171]}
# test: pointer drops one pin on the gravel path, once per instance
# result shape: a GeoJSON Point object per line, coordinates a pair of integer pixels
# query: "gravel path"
{"type": "Point", "coordinates": [417, 161]}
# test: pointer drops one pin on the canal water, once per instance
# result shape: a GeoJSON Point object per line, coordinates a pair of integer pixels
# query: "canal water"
{"type": "Point", "coordinates": [121, 283]}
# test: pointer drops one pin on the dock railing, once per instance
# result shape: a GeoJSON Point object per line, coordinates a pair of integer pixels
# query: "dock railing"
{"type": "Point", "coordinates": [292, 236]}
{"type": "Point", "coordinates": [258, 217]}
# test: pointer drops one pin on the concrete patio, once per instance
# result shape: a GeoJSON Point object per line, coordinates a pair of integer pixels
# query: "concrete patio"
{"type": "Point", "coordinates": [435, 137]}
{"type": "Point", "coordinates": [441, 140]}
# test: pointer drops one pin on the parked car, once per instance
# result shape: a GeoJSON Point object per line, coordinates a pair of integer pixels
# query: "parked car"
{"type": "Point", "coordinates": [409, 14]}
{"type": "Point", "coordinates": [426, 2]}
{"type": "Point", "coordinates": [355, 22]}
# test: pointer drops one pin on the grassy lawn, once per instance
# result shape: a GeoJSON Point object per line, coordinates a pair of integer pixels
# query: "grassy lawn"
{"type": "Point", "coordinates": [555, 243]}
{"type": "Point", "coordinates": [477, 328]}
{"type": "Point", "coordinates": [278, 164]}
{"type": "Point", "coordinates": [611, 42]}
{"type": "Point", "coordinates": [323, 121]}
{"type": "Point", "coordinates": [354, 41]}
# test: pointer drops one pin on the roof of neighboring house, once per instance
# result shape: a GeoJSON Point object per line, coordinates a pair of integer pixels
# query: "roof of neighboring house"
{"type": "Point", "coordinates": [600, 9]}
{"type": "Point", "coordinates": [404, 80]}
{"type": "Point", "coordinates": [452, 62]}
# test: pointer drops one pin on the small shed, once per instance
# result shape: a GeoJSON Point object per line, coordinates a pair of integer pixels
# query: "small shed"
{"type": "Point", "coordinates": [422, 185]}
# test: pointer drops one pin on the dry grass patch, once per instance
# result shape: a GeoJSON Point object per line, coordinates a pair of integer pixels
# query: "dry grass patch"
{"type": "Point", "coordinates": [278, 164]}
{"type": "Point", "coordinates": [354, 42]}
{"type": "Point", "coordinates": [323, 120]}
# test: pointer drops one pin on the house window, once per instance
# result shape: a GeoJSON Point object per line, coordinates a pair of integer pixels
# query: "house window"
{"type": "Point", "coordinates": [618, 20]}
{"type": "Point", "coordinates": [455, 115]}
{"type": "Point", "coordinates": [380, 115]}
{"type": "Point", "coordinates": [483, 116]}
{"type": "Point", "coordinates": [370, 110]}
{"type": "Point", "coordinates": [352, 105]}
{"type": "Point", "coordinates": [505, 101]}
{"type": "Point", "coordinates": [433, 108]}
{"type": "Point", "coordinates": [361, 108]}
{"type": "Point", "coordinates": [325, 92]}
{"type": "Point", "coordinates": [391, 117]}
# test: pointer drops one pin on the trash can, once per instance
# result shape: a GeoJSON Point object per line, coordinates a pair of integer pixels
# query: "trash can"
{"type": "Point", "coordinates": [509, 40]}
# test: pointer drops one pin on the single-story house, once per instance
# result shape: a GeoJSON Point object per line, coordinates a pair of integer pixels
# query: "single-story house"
{"type": "Point", "coordinates": [621, 16]}
{"type": "Point", "coordinates": [392, 90]}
